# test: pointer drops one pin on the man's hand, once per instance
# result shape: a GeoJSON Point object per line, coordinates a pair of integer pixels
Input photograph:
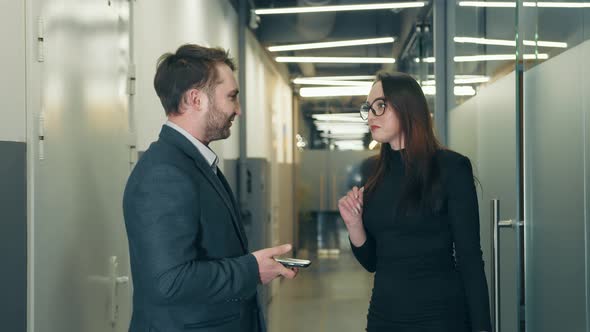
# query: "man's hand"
{"type": "Point", "coordinates": [268, 268]}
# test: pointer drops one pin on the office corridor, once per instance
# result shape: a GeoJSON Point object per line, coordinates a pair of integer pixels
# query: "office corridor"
{"type": "Point", "coordinates": [506, 84]}
{"type": "Point", "coordinates": [331, 295]}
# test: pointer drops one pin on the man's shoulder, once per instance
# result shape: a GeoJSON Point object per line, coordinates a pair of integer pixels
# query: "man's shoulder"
{"type": "Point", "coordinates": [162, 155]}
{"type": "Point", "coordinates": [161, 151]}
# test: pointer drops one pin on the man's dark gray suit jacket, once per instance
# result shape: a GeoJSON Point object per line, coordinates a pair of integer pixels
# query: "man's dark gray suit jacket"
{"type": "Point", "coordinates": [189, 255]}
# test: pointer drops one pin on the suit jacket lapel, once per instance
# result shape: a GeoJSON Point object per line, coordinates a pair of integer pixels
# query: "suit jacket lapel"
{"type": "Point", "coordinates": [174, 137]}
{"type": "Point", "coordinates": [224, 193]}
{"type": "Point", "coordinates": [236, 210]}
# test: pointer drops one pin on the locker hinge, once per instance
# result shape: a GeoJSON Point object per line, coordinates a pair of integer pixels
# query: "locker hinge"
{"type": "Point", "coordinates": [132, 155]}
{"type": "Point", "coordinates": [41, 136]}
{"type": "Point", "coordinates": [131, 80]}
{"type": "Point", "coordinates": [40, 40]}
{"type": "Point", "coordinates": [132, 144]}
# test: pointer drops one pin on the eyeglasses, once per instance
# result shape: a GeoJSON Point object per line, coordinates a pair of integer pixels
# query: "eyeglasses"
{"type": "Point", "coordinates": [366, 108]}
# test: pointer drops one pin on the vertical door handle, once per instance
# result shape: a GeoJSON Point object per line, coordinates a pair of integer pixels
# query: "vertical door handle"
{"type": "Point", "coordinates": [496, 224]}
{"type": "Point", "coordinates": [114, 281]}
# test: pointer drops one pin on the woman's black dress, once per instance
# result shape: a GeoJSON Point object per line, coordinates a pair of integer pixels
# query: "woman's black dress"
{"type": "Point", "coordinates": [429, 272]}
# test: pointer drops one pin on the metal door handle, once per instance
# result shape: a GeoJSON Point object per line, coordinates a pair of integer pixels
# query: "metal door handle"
{"type": "Point", "coordinates": [496, 224]}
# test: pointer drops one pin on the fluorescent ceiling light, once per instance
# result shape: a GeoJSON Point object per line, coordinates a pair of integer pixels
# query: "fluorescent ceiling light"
{"type": "Point", "coordinates": [347, 145]}
{"type": "Point", "coordinates": [311, 59]}
{"type": "Point", "coordinates": [331, 82]}
{"type": "Point", "coordinates": [330, 116]}
{"type": "Point", "coordinates": [343, 136]}
{"type": "Point", "coordinates": [350, 142]}
{"type": "Point", "coordinates": [464, 90]}
{"type": "Point", "coordinates": [322, 9]}
{"type": "Point", "coordinates": [350, 145]}
{"type": "Point", "coordinates": [499, 57]}
{"type": "Point", "coordinates": [498, 4]}
{"type": "Point", "coordinates": [342, 78]}
{"type": "Point", "coordinates": [342, 43]}
{"type": "Point", "coordinates": [330, 125]}
{"type": "Point", "coordinates": [461, 76]}
{"type": "Point", "coordinates": [343, 131]}
{"type": "Point", "coordinates": [490, 57]}
{"type": "Point", "coordinates": [504, 42]}
{"type": "Point", "coordinates": [339, 118]}
{"type": "Point", "coordinates": [321, 116]}
{"type": "Point", "coordinates": [558, 4]}
{"type": "Point", "coordinates": [356, 141]}
{"type": "Point", "coordinates": [425, 60]}
{"type": "Point", "coordinates": [334, 91]}
{"type": "Point", "coordinates": [472, 80]}
{"type": "Point", "coordinates": [468, 80]}
{"type": "Point", "coordinates": [342, 128]}
{"type": "Point", "coordinates": [373, 144]}
{"type": "Point", "coordinates": [363, 91]}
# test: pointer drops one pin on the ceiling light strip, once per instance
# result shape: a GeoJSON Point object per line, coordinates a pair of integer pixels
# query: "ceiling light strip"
{"type": "Point", "coordinates": [333, 91]}
{"type": "Point", "coordinates": [331, 82]}
{"type": "Point", "coordinates": [492, 4]}
{"type": "Point", "coordinates": [341, 78]}
{"type": "Point", "coordinates": [473, 80]}
{"type": "Point", "coordinates": [323, 9]}
{"type": "Point", "coordinates": [295, 59]}
{"type": "Point", "coordinates": [338, 91]}
{"type": "Point", "coordinates": [341, 43]}
{"type": "Point", "coordinates": [498, 4]}
{"type": "Point", "coordinates": [490, 57]}
{"type": "Point", "coordinates": [505, 42]}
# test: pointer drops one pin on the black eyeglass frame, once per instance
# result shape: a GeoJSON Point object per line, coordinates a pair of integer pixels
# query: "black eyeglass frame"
{"type": "Point", "coordinates": [366, 108]}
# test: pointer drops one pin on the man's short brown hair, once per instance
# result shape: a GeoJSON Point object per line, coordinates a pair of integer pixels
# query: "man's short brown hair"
{"type": "Point", "coordinates": [191, 67]}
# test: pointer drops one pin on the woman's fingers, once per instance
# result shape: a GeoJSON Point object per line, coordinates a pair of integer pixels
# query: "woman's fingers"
{"type": "Point", "coordinates": [345, 206]}
{"type": "Point", "coordinates": [352, 206]}
{"type": "Point", "coordinates": [355, 201]}
{"type": "Point", "coordinates": [349, 206]}
{"type": "Point", "coordinates": [361, 193]}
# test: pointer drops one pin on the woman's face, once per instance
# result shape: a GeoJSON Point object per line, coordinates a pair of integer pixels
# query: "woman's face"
{"type": "Point", "coordinates": [386, 127]}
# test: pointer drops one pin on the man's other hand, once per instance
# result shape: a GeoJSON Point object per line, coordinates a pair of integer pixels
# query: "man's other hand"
{"type": "Point", "coordinates": [268, 268]}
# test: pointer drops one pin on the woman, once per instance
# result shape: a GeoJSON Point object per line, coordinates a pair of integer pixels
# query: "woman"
{"type": "Point", "coordinates": [415, 223]}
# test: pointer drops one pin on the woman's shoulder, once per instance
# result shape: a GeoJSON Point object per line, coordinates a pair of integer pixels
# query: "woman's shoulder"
{"type": "Point", "coordinates": [368, 167]}
{"type": "Point", "coordinates": [449, 159]}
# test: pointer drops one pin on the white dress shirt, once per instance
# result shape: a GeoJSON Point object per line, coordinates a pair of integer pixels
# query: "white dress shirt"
{"type": "Point", "coordinates": [207, 153]}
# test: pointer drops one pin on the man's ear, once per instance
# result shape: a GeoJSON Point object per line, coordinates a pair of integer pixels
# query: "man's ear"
{"type": "Point", "coordinates": [192, 99]}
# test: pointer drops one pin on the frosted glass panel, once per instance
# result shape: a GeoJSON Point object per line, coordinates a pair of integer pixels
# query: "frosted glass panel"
{"type": "Point", "coordinates": [555, 201]}
{"type": "Point", "coordinates": [473, 26]}
{"type": "Point", "coordinates": [77, 224]}
{"type": "Point", "coordinates": [483, 128]}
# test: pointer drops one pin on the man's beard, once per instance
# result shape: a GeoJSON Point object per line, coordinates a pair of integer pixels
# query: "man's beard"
{"type": "Point", "coordinates": [218, 124]}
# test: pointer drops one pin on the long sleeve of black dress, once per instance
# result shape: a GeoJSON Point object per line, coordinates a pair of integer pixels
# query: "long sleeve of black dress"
{"type": "Point", "coordinates": [464, 221]}
{"type": "Point", "coordinates": [429, 272]}
{"type": "Point", "coordinates": [365, 254]}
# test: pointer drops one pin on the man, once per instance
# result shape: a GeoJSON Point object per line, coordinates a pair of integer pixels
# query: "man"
{"type": "Point", "coordinates": [189, 254]}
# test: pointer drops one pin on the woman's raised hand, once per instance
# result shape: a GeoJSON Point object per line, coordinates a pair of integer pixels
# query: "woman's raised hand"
{"type": "Point", "coordinates": [351, 207]}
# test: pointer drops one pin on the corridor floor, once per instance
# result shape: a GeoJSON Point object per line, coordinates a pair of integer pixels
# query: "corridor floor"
{"type": "Point", "coordinates": [332, 295]}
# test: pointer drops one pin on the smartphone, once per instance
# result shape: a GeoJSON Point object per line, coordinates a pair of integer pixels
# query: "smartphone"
{"type": "Point", "coordinates": [293, 262]}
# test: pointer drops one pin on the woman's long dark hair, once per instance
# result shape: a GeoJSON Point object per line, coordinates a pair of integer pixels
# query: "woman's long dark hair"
{"type": "Point", "coordinates": [421, 189]}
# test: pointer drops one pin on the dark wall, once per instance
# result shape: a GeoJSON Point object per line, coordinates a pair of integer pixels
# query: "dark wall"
{"type": "Point", "coordinates": [13, 236]}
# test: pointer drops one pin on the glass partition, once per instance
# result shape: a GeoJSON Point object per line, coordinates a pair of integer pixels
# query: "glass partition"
{"type": "Point", "coordinates": [556, 112]}
{"type": "Point", "coordinates": [484, 127]}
